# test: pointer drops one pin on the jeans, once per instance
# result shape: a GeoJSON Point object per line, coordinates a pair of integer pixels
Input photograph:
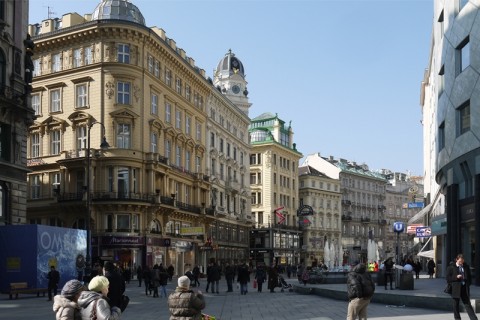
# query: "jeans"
{"type": "Point", "coordinates": [163, 289]}
{"type": "Point", "coordinates": [243, 288]}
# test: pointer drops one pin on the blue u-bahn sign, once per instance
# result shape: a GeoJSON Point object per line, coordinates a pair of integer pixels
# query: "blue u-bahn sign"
{"type": "Point", "coordinates": [398, 227]}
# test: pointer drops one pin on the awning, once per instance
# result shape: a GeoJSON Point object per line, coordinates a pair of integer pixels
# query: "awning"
{"type": "Point", "coordinates": [420, 214]}
{"type": "Point", "coordinates": [427, 254]}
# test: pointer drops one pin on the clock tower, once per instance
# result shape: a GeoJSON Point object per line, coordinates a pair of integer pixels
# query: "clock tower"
{"type": "Point", "coordinates": [229, 79]}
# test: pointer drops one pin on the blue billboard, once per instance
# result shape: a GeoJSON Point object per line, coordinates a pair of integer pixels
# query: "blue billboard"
{"type": "Point", "coordinates": [28, 251]}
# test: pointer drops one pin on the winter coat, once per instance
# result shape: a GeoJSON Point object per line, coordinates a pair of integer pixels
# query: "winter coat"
{"type": "Point", "coordinates": [86, 302]}
{"type": "Point", "coordinates": [116, 288]}
{"type": "Point", "coordinates": [155, 279]}
{"type": "Point", "coordinates": [260, 275]}
{"type": "Point", "coordinates": [359, 283]}
{"type": "Point", "coordinates": [185, 304]}
{"type": "Point", "coordinates": [229, 272]}
{"type": "Point", "coordinates": [243, 275]}
{"type": "Point", "coordinates": [215, 272]}
{"type": "Point", "coordinates": [452, 273]}
{"type": "Point", "coordinates": [272, 278]}
{"type": "Point", "coordinates": [66, 309]}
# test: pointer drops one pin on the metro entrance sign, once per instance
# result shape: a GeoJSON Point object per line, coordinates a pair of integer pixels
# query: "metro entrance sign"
{"type": "Point", "coordinates": [398, 227]}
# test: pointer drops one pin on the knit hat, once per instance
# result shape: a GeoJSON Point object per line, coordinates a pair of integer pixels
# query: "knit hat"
{"type": "Point", "coordinates": [98, 283]}
{"type": "Point", "coordinates": [72, 288]}
{"type": "Point", "coordinates": [184, 282]}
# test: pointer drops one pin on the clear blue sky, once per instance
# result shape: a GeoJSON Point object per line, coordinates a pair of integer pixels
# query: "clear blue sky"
{"type": "Point", "coordinates": [346, 73]}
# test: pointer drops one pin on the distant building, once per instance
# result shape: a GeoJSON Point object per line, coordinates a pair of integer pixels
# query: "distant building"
{"type": "Point", "coordinates": [322, 230]}
{"type": "Point", "coordinates": [16, 113]}
{"type": "Point", "coordinates": [362, 205]}
{"type": "Point", "coordinates": [276, 236]}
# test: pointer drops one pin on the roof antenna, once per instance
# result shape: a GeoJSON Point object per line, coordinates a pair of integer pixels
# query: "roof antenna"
{"type": "Point", "coordinates": [50, 13]}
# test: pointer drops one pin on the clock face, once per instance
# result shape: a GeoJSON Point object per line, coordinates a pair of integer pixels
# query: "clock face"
{"type": "Point", "coordinates": [236, 89]}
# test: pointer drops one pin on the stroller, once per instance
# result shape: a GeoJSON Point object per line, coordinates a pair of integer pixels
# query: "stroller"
{"type": "Point", "coordinates": [284, 285]}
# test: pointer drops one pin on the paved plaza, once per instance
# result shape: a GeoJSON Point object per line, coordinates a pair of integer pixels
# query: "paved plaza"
{"type": "Point", "coordinates": [230, 306]}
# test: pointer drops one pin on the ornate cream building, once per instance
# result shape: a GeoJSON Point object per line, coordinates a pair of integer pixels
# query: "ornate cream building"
{"type": "Point", "coordinates": [274, 159]}
{"type": "Point", "coordinates": [362, 205]}
{"type": "Point", "coordinates": [16, 113]}
{"type": "Point", "coordinates": [107, 79]}
{"type": "Point", "coordinates": [322, 234]}
{"type": "Point", "coordinates": [227, 161]}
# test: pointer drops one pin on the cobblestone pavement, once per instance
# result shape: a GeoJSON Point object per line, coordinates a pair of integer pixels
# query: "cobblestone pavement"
{"type": "Point", "coordinates": [227, 306]}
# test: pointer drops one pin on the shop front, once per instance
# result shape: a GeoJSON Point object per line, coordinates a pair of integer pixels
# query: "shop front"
{"type": "Point", "coordinates": [125, 251]}
{"type": "Point", "coordinates": [156, 249]}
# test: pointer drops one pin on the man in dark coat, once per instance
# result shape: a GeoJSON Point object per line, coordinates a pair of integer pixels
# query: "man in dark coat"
{"type": "Point", "coordinates": [53, 280]}
{"type": "Point", "coordinates": [243, 278]}
{"type": "Point", "coordinates": [229, 276]}
{"type": "Point", "coordinates": [272, 278]}
{"type": "Point", "coordinates": [460, 277]}
{"type": "Point", "coordinates": [360, 289]}
{"type": "Point", "coordinates": [388, 274]}
{"type": "Point", "coordinates": [116, 284]}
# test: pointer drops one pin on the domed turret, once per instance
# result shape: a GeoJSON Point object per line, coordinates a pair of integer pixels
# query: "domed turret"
{"type": "Point", "coordinates": [230, 65]}
{"type": "Point", "coordinates": [118, 9]}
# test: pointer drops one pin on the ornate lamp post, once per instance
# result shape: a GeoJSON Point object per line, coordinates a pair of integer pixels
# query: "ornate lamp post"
{"type": "Point", "coordinates": [104, 145]}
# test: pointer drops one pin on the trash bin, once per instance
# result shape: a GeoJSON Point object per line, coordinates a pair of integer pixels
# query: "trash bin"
{"type": "Point", "coordinates": [406, 281]}
{"type": "Point", "coordinates": [380, 278]}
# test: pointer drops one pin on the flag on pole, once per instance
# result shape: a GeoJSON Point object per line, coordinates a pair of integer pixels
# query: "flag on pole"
{"type": "Point", "coordinates": [281, 217]}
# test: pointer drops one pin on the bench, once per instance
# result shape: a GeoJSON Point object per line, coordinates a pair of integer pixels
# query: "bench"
{"type": "Point", "coordinates": [22, 287]}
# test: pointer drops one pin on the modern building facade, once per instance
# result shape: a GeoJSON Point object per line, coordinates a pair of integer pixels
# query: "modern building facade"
{"type": "Point", "coordinates": [147, 199]}
{"type": "Point", "coordinates": [322, 233]}
{"type": "Point", "coordinates": [16, 113]}
{"type": "Point", "coordinates": [276, 236]}
{"type": "Point", "coordinates": [450, 102]}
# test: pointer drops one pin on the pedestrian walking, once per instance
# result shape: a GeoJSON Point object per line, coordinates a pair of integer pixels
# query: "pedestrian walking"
{"type": "Point", "coordinates": [116, 282]}
{"type": "Point", "coordinates": [171, 272]}
{"type": "Point", "coordinates": [388, 274]}
{"type": "Point", "coordinates": [139, 275]}
{"type": "Point", "coordinates": [272, 278]}
{"type": "Point", "coordinates": [215, 277]}
{"type": "Point", "coordinates": [243, 278]}
{"type": "Point", "coordinates": [229, 276]}
{"type": "Point", "coordinates": [260, 276]}
{"type": "Point", "coordinates": [460, 277]}
{"type": "Point", "coordinates": [147, 280]}
{"type": "Point", "coordinates": [360, 289]}
{"type": "Point", "coordinates": [53, 279]}
{"type": "Point", "coordinates": [95, 304]}
{"type": "Point", "coordinates": [196, 275]}
{"type": "Point", "coordinates": [163, 281]}
{"type": "Point", "coordinates": [417, 267]}
{"type": "Point", "coordinates": [65, 304]}
{"type": "Point", "coordinates": [431, 268]}
{"type": "Point", "coordinates": [155, 280]}
{"type": "Point", "coordinates": [183, 303]}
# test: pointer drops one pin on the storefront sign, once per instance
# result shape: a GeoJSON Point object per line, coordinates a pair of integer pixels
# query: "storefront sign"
{"type": "Point", "coordinates": [121, 241]}
{"type": "Point", "coordinates": [192, 231]}
{"type": "Point", "coordinates": [423, 232]}
{"type": "Point", "coordinates": [305, 211]}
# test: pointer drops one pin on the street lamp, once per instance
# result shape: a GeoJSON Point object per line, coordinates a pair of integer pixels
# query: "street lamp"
{"type": "Point", "coordinates": [104, 145]}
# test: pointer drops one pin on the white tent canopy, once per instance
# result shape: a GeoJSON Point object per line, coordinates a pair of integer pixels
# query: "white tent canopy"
{"type": "Point", "coordinates": [427, 254]}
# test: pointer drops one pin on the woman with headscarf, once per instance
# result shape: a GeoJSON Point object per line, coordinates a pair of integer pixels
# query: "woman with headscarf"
{"type": "Point", "coordinates": [65, 304]}
{"type": "Point", "coordinates": [95, 303]}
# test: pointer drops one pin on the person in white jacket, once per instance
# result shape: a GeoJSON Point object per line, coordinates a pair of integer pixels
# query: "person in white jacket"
{"type": "Point", "coordinates": [95, 304]}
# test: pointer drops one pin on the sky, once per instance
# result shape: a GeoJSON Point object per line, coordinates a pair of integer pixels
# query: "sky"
{"type": "Point", "coordinates": [345, 73]}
